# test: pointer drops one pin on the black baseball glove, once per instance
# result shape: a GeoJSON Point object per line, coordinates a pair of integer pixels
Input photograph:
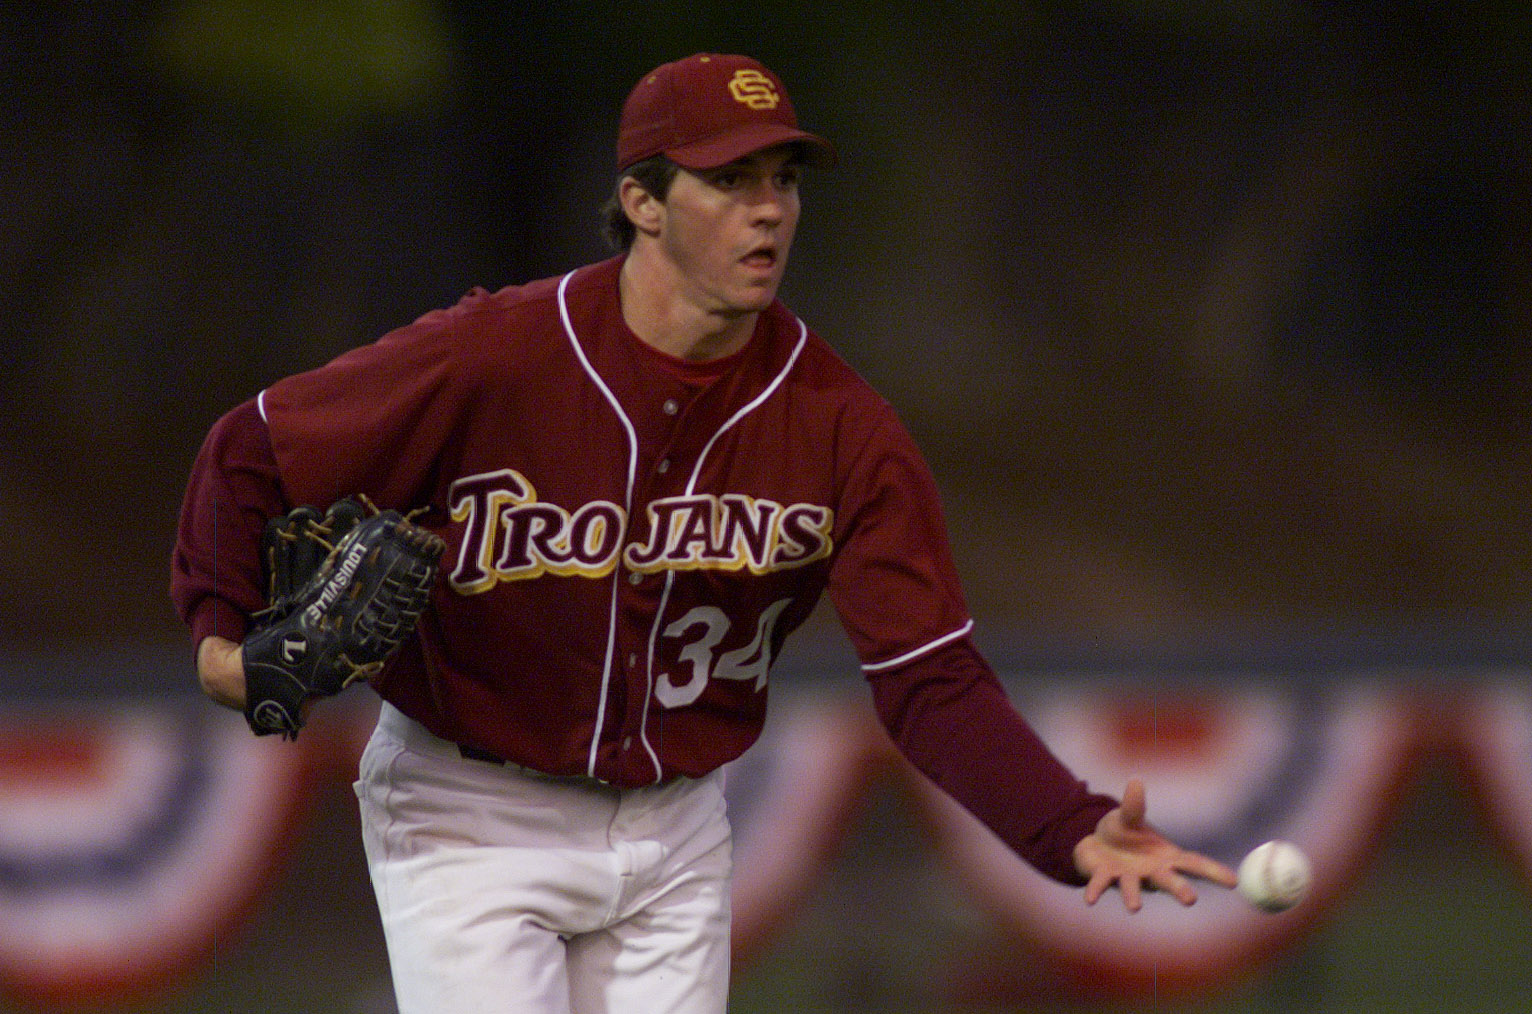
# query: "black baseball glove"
{"type": "Point", "coordinates": [344, 591]}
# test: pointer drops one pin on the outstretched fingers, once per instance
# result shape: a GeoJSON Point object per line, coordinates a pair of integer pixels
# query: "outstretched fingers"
{"type": "Point", "coordinates": [1132, 887]}
{"type": "Point", "coordinates": [1173, 884]}
{"type": "Point", "coordinates": [1128, 853]}
{"type": "Point", "coordinates": [1128, 888]}
{"type": "Point", "coordinates": [1203, 868]}
{"type": "Point", "coordinates": [1097, 886]}
{"type": "Point", "coordinates": [1134, 807]}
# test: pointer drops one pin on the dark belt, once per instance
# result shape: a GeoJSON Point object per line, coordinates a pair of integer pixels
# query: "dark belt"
{"type": "Point", "coordinates": [474, 753]}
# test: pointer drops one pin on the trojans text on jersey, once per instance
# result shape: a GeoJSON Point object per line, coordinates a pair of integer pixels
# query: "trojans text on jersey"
{"type": "Point", "coordinates": [511, 535]}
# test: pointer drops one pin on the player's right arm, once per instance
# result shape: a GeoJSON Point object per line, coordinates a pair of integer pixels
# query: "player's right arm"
{"type": "Point", "coordinates": [216, 580]}
{"type": "Point", "coordinates": [221, 669]}
{"type": "Point", "coordinates": [312, 438]}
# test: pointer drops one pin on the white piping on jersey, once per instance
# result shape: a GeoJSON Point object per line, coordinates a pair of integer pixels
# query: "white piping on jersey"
{"type": "Point", "coordinates": [924, 649]}
{"type": "Point", "coordinates": [627, 506]}
{"type": "Point", "coordinates": [691, 489]}
{"type": "Point", "coordinates": [260, 406]}
{"type": "Point", "coordinates": [691, 485]}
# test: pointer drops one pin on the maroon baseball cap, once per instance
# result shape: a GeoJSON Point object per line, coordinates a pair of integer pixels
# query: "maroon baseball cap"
{"type": "Point", "coordinates": [708, 110]}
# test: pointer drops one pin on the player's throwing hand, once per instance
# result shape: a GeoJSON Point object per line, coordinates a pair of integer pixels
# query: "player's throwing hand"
{"type": "Point", "coordinates": [1124, 850]}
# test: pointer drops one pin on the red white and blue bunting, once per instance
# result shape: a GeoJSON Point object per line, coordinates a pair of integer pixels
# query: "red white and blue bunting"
{"type": "Point", "coordinates": [136, 834]}
{"type": "Point", "coordinates": [133, 833]}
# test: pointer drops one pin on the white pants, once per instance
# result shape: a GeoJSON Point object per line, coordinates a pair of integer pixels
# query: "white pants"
{"type": "Point", "coordinates": [503, 890]}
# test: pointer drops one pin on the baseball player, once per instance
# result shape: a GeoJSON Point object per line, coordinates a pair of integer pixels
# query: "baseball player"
{"type": "Point", "coordinates": [645, 473]}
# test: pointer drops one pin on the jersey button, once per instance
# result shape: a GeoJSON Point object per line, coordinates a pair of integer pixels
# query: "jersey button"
{"type": "Point", "coordinates": [632, 660]}
{"type": "Point", "coordinates": [634, 577]}
{"type": "Point", "coordinates": [663, 466]}
{"type": "Point", "coordinates": [671, 406]}
{"type": "Point", "coordinates": [627, 742]}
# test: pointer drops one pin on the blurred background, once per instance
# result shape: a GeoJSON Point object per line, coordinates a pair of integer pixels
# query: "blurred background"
{"type": "Point", "coordinates": [1211, 318]}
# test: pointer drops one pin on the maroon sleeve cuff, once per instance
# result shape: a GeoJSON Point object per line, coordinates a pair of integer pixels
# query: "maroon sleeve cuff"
{"type": "Point", "coordinates": [1052, 850]}
{"type": "Point", "coordinates": [214, 617]}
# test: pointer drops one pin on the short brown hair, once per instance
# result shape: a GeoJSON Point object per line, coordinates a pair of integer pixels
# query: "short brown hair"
{"type": "Point", "coordinates": [654, 175]}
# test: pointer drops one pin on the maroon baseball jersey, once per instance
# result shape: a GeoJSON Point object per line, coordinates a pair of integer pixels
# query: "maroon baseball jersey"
{"type": "Point", "coordinates": [630, 538]}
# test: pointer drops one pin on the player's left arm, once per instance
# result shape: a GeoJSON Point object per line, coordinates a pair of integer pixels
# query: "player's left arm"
{"type": "Point", "coordinates": [950, 717]}
{"type": "Point", "coordinates": [944, 707]}
{"type": "Point", "coordinates": [1003, 773]}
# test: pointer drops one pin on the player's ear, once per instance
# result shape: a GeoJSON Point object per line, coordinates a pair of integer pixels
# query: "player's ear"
{"type": "Point", "coordinates": [644, 210]}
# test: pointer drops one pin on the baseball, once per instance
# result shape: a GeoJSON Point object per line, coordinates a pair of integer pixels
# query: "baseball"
{"type": "Point", "coordinates": [1275, 876]}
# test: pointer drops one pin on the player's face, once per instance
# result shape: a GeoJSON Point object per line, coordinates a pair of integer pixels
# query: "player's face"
{"type": "Point", "coordinates": [728, 230]}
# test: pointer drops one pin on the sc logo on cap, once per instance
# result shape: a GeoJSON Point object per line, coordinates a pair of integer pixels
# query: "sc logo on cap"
{"type": "Point", "coordinates": [754, 89]}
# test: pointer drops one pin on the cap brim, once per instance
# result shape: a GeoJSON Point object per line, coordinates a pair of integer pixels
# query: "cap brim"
{"type": "Point", "coordinates": [721, 149]}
